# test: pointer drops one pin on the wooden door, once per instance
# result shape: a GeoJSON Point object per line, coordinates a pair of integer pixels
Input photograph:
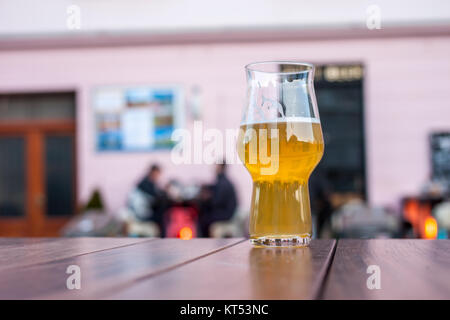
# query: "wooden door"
{"type": "Point", "coordinates": [37, 164]}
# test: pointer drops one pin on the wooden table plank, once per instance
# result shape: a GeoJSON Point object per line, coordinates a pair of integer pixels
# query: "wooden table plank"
{"type": "Point", "coordinates": [104, 271]}
{"type": "Point", "coordinates": [241, 272]}
{"type": "Point", "coordinates": [16, 252]}
{"type": "Point", "coordinates": [409, 269]}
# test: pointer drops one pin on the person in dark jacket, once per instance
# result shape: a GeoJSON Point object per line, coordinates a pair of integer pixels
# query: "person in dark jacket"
{"type": "Point", "coordinates": [158, 198]}
{"type": "Point", "coordinates": [218, 202]}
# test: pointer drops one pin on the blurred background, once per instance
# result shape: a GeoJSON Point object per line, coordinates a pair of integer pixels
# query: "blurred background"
{"type": "Point", "coordinates": [92, 90]}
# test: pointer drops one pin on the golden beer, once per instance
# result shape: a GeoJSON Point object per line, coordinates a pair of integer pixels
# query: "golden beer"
{"type": "Point", "coordinates": [280, 157]}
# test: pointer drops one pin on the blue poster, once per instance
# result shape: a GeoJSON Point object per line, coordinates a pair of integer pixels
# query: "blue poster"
{"type": "Point", "coordinates": [136, 118]}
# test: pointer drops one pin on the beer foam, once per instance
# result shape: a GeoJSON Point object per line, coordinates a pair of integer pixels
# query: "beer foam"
{"type": "Point", "coordinates": [285, 119]}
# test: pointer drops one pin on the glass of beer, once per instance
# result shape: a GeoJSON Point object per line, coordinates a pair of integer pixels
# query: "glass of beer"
{"type": "Point", "coordinates": [280, 143]}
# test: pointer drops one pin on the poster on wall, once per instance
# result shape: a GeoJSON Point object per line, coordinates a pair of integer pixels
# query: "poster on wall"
{"type": "Point", "coordinates": [136, 118]}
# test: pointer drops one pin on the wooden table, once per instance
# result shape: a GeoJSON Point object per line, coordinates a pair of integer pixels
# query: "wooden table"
{"type": "Point", "coordinates": [132, 268]}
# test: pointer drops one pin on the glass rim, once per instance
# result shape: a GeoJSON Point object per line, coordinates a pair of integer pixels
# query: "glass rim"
{"type": "Point", "coordinates": [253, 67]}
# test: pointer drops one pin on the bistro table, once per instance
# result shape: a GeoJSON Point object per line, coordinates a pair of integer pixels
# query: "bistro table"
{"type": "Point", "coordinates": [152, 268]}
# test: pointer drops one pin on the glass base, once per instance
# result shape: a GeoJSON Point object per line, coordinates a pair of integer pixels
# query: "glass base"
{"type": "Point", "coordinates": [288, 241]}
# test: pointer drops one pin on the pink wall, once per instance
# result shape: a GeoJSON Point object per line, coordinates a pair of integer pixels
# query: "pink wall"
{"type": "Point", "coordinates": [406, 96]}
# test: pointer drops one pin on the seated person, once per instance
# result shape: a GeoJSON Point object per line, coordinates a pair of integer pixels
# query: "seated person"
{"type": "Point", "coordinates": [218, 202]}
{"type": "Point", "coordinates": [157, 197]}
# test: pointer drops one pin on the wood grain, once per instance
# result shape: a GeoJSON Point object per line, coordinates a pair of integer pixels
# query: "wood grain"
{"type": "Point", "coordinates": [409, 269]}
{"type": "Point", "coordinates": [105, 271]}
{"type": "Point", "coordinates": [17, 252]}
{"type": "Point", "coordinates": [241, 272]}
{"type": "Point", "coordinates": [127, 268]}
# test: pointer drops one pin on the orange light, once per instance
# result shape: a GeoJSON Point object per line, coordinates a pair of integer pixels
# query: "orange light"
{"type": "Point", "coordinates": [430, 228]}
{"type": "Point", "coordinates": [185, 233]}
{"type": "Point", "coordinates": [411, 212]}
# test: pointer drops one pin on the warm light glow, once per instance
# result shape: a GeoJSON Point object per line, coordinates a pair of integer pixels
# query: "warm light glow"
{"type": "Point", "coordinates": [431, 228]}
{"type": "Point", "coordinates": [185, 233]}
{"type": "Point", "coordinates": [412, 212]}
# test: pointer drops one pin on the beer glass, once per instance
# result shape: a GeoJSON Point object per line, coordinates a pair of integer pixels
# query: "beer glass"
{"type": "Point", "coordinates": [280, 143]}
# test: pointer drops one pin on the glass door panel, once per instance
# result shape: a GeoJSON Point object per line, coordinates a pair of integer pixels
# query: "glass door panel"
{"type": "Point", "coordinates": [12, 177]}
{"type": "Point", "coordinates": [59, 175]}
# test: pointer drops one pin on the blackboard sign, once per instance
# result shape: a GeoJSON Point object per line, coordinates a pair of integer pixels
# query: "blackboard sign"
{"type": "Point", "coordinates": [440, 156]}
